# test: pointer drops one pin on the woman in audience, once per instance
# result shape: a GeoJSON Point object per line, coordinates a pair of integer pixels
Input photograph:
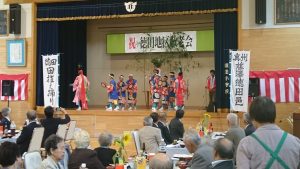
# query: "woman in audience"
{"type": "Point", "coordinates": [55, 148]}
{"type": "Point", "coordinates": [5, 121]}
{"type": "Point", "coordinates": [82, 154]}
{"type": "Point", "coordinates": [104, 153]}
{"type": "Point", "coordinates": [10, 157]}
{"type": "Point", "coordinates": [176, 126]}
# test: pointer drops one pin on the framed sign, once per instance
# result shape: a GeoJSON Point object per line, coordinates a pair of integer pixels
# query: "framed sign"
{"type": "Point", "coordinates": [287, 11]}
{"type": "Point", "coordinates": [3, 22]}
{"type": "Point", "coordinates": [15, 50]}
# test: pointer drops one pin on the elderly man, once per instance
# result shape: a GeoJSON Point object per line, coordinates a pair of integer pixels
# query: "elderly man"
{"type": "Point", "coordinates": [223, 149]}
{"type": "Point", "coordinates": [161, 161]}
{"type": "Point", "coordinates": [82, 154]}
{"type": "Point", "coordinates": [162, 124]}
{"type": "Point", "coordinates": [249, 129]}
{"type": "Point", "coordinates": [203, 153]}
{"type": "Point", "coordinates": [235, 133]}
{"type": "Point", "coordinates": [104, 152]}
{"type": "Point", "coordinates": [269, 146]}
{"type": "Point", "coordinates": [149, 136]}
{"type": "Point", "coordinates": [24, 139]}
{"type": "Point", "coordinates": [51, 124]}
{"type": "Point", "coordinates": [5, 121]}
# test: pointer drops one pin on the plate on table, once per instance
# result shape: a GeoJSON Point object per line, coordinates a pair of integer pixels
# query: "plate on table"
{"type": "Point", "coordinates": [183, 156]}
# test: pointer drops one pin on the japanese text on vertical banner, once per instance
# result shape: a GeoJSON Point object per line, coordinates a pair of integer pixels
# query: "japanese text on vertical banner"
{"type": "Point", "coordinates": [239, 80]}
{"type": "Point", "coordinates": [50, 79]}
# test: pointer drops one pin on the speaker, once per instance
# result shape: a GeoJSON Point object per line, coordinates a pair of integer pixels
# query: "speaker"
{"type": "Point", "coordinates": [15, 19]}
{"type": "Point", "coordinates": [260, 11]}
{"type": "Point", "coordinates": [8, 87]}
{"type": "Point", "coordinates": [253, 87]}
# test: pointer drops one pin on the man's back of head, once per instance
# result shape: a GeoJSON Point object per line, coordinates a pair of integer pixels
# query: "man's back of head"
{"type": "Point", "coordinates": [49, 111]}
{"type": "Point", "coordinates": [161, 161]}
{"type": "Point", "coordinates": [148, 121]}
{"type": "Point", "coordinates": [263, 110]}
{"type": "Point", "coordinates": [232, 119]}
{"type": "Point", "coordinates": [223, 149]}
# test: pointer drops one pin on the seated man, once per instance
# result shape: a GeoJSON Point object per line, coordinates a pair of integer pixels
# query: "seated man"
{"type": "Point", "coordinates": [162, 124]}
{"type": "Point", "coordinates": [5, 121]}
{"type": "Point", "coordinates": [24, 140]}
{"type": "Point", "coordinates": [149, 136]}
{"type": "Point", "coordinates": [161, 161]}
{"type": "Point", "coordinates": [51, 124]}
{"type": "Point", "coordinates": [249, 129]}
{"type": "Point", "coordinates": [104, 152]}
{"type": "Point", "coordinates": [203, 153]}
{"type": "Point", "coordinates": [235, 133]}
{"type": "Point", "coordinates": [223, 149]}
{"type": "Point", "coordinates": [176, 126]}
{"type": "Point", "coordinates": [268, 146]}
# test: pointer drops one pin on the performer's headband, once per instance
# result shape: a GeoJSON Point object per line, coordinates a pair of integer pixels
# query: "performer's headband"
{"type": "Point", "coordinates": [111, 75]}
{"type": "Point", "coordinates": [130, 75]}
{"type": "Point", "coordinates": [171, 73]}
{"type": "Point", "coordinates": [121, 76]}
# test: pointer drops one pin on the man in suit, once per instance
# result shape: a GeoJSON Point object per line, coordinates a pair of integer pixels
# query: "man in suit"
{"type": "Point", "coordinates": [162, 124]}
{"type": "Point", "coordinates": [24, 139]}
{"type": "Point", "coordinates": [203, 153]}
{"type": "Point", "coordinates": [268, 146]}
{"type": "Point", "coordinates": [249, 129]}
{"type": "Point", "coordinates": [51, 124]}
{"type": "Point", "coordinates": [149, 136]}
{"type": "Point", "coordinates": [235, 133]}
{"type": "Point", "coordinates": [176, 126]}
{"type": "Point", "coordinates": [5, 121]}
{"type": "Point", "coordinates": [104, 152]}
{"type": "Point", "coordinates": [223, 154]}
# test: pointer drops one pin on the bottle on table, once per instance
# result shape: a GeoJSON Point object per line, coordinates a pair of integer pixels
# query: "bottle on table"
{"type": "Point", "coordinates": [83, 166]}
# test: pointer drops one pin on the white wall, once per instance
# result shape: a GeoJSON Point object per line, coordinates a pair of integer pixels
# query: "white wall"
{"type": "Point", "coordinates": [248, 16]}
{"type": "Point", "coordinates": [100, 64]}
{"type": "Point", "coordinates": [26, 19]}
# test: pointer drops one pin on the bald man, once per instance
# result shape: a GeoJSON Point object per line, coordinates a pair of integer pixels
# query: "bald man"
{"type": "Point", "coordinates": [223, 154]}
{"type": "Point", "coordinates": [161, 161]}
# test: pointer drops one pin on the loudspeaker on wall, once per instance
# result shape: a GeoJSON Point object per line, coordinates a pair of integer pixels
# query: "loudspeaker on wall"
{"type": "Point", "coordinates": [8, 87]}
{"type": "Point", "coordinates": [15, 19]}
{"type": "Point", "coordinates": [260, 11]}
{"type": "Point", "coordinates": [253, 87]}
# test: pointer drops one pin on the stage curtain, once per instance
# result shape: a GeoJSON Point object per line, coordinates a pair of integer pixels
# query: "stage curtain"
{"type": "Point", "coordinates": [69, 39]}
{"type": "Point", "coordinates": [116, 7]}
{"type": "Point", "coordinates": [226, 37]}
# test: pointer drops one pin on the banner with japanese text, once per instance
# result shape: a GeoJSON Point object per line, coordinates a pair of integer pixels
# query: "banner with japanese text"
{"type": "Point", "coordinates": [239, 80]}
{"type": "Point", "coordinates": [158, 41]}
{"type": "Point", "coordinates": [50, 79]}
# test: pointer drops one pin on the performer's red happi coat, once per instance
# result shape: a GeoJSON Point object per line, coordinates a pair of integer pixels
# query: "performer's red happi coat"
{"type": "Point", "coordinates": [180, 90]}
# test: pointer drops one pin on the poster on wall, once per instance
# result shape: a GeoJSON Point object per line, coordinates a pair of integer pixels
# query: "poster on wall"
{"type": "Point", "coordinates": [239, 74]}
{"type": "Point", "coordinates": [50, 79]}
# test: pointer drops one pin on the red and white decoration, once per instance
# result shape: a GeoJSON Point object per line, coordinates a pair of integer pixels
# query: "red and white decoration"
{"type": "Point", "coordinates": [20, 88]}
{"type": "Point", "coordinates": [280, 86]}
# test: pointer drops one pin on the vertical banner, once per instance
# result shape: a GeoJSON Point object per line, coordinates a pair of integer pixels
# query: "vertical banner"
{"type": "Point", "coordinates": [50, 79]}
{"type": "Point", "coordinates": [239, 80]}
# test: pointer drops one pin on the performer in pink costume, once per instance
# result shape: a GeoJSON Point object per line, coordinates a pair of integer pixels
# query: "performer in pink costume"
{"type": "Point", "coordinates": [180, 90]}
{"type": "Point", "coordinates": [80, 87]}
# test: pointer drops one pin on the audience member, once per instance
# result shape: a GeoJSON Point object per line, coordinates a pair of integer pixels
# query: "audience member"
{"type": "Point", "coordinates": [82, 154]}
{"type": "Point", "coordinates": [235, 133]}
{"type": "Point", "coordinates": [223, 154]}
{"type": "Point", "coordinates": [104, 152]}
{"type": "Point", "coordinates": [150, 137]}
{"type": "Point", "coordinates": [5, 121]}
{"type": "Point", "coordinates": [10, 157]}
{"type": "Point", "coordinates": [50, 123]}
{"type": "Point", "coordinates": [249, 129]}
{"type": "Point", "coordinates": [268, 146]}
{"type": "Point", "coordinates": [154, 117]}
{"type": "Point", "coordinates": [176, 126]}
{"type": "Point", "coordinates": [203, 153]}
{"type": "Point", "coordinates": [161, 161]}
{"type": "Point", "coordinates": [55, 148]}
{"type": "Point", "coordinates": [26, 134]}
{"type": "Point", "coordinates": [162, 125]}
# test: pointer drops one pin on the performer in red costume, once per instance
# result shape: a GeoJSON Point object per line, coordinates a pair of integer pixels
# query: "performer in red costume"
{"type": "Point", "coordinates": [180, 90]}
{"type": "Point", "coordinates": [80, 86]}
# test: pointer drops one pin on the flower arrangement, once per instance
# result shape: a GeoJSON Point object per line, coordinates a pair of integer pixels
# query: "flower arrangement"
{"type": "Point", "coordinates": [121, 142]}
{"type": "Point", "coordinates": [204, 127]}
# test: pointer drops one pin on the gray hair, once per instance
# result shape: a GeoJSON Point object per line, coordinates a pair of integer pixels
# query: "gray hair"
{"type": "Point", "coordinates": [82, 139]}
{"type": "Point", "coordinates": [148, 121]}
{"type": "Point", "coordinates": [5, 111]}
{"type": "Point", "coordinates": [233, 119]}
{"type": "Point", "coordinates": [31, 115]}
{"type": "Point", "coordinates": [105, 139]}
{"type": "Point", "coordinates": [161, 161]}
{"type": "Point", "coordinates": [224, 148]}
{"type": "Point", "coordinates": [192, 136]}
{"type": "Point", "coordinates": [247, 118]}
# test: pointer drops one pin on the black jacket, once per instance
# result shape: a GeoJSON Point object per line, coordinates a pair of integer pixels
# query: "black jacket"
{"type": "Point", "coordinates": [5, 122]}
{"type": "Point", "coordinates": [176, 129]}
{"type": "Point", "coordinates": [87, 156]}
{"type": "Point", "coordinates": [249, 129]}
{"type": "Point", "coordinates": [165, 133]}
{"type": "Point", "coordinates": [224, 165]}
{"type": "Point", "coordinates": [105, 155]}
{"type": "Point", "coordinates": [24, 139]}
{"type": "Point", "coordinates": [51, 125]}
